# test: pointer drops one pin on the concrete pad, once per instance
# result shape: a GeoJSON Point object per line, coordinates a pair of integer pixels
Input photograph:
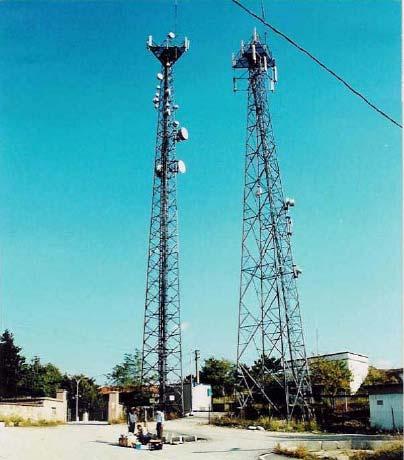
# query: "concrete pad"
{"type": "Point", "coordinates": [344, 444]}
{"type": "Point", "coordinates": [368, 444]}
{"type": "Point", "coordinates": [189, 438]}
{"type": "Point", "coordinates": [329, 445]}
{"type": "Point", "coordinates": [176, 440]}
{"type": "Point", "coordinates": [311, 446]}
{"type": "Point", "coordinates": [334, 445]}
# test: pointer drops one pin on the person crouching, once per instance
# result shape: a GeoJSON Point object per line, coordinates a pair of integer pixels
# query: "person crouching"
{"type": "Point", "coordinates": [141, 437]}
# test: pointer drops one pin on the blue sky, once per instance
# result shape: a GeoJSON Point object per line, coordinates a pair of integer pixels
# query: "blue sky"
{"type": "Point", "coordinates": [77, 133]}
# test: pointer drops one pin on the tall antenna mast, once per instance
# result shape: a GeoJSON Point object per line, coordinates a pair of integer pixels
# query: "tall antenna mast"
{"type": "Point", "coordinates": [271, 355]}
{"type": "Point", "coordinates": [162, 355]}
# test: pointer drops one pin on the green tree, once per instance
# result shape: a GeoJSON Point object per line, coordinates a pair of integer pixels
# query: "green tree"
{"type": "Point", "coordinates": [39, 379]}
{"type": "Point", "coordinates": [52, 379]}
{"type": "Point", "coordinates": [220, 374]}
{"type": "Point", "coordinates": [11, 366]}
{"type": "Point", "coordinates": [128, 372]}
{"type": "Point", "coordinates": [377, 377]}
{"type": "Point", "coordinates": [266, 366]}
{"type": "Point", "coordinates": [330, 377]}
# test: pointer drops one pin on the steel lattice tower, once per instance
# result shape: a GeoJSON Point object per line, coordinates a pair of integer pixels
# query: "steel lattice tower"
{"type": "Point", "coordinates": [161, 355]}
{"type": "Point", "coordinates": [270, 327]}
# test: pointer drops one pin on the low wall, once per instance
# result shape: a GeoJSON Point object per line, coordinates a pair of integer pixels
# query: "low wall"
{"type": "Point", "coordinates": [355, 443]}
{"type": "Point", "coordinates": [54, 409]}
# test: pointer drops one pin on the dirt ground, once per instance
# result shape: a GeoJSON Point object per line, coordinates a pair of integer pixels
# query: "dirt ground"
{"type": "Point", "coordinates": [99, 442]}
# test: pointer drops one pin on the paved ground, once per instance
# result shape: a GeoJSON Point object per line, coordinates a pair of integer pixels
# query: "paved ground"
{"type": "Point", "coordinates": [98, 442]}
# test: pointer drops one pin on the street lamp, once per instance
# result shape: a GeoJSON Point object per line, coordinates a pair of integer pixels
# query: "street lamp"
{"type": "Point", "coordinates": [77, 397]}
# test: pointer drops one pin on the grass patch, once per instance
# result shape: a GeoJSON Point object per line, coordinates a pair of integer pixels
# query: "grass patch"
{"type": "Point", "coordinates": [269, 423]}
{"type": "Point", "coordinates": [299, 452]}
{"type": "Point", "coordinates": [391, 451]}
{"type": "Point", "coordinates": [16, 420]}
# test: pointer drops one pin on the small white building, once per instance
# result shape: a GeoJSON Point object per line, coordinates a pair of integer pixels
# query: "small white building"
{"type": "Point", "coordinates": [386, 406]}
{"type": "Point", "coordinates": [197, 397]}
{"type": "Point", "coordinates": [356, 363]}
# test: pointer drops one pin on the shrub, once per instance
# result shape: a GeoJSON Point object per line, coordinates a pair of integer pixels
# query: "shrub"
{"type": "Point", "coordinates": [16, 420]}
{"type": "Point", "coordinates": [230, 422]}
{"type": "Point", "coordinates": [391, 451]}
{"type": "Point", "coordinates": [299, 452]}
{"type": "Point", "coordinates": [269, 423]}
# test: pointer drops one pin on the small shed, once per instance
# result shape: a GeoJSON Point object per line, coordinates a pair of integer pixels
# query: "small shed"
{"type": "Point", "coordinates": [386, 406]}
{"type": "Point", "coordinates": [197, 397]}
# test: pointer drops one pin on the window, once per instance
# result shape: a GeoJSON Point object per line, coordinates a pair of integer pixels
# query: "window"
{"type": "Point", "coordinates": [53, 410]}
{"type": "Point", "coordinates": [379, 402]}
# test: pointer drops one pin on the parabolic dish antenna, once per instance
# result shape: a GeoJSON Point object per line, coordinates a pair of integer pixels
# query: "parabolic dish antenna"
{"type": "Point", "coordinates": [181, 167]}
{"type": "Point", "coordinates": [183, 134]}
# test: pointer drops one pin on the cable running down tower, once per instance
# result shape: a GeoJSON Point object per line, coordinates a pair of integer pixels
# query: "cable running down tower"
{"type": "Point", "coordinates": [161, 354]}
{"type": "Point", "coordinates": [270, 332]}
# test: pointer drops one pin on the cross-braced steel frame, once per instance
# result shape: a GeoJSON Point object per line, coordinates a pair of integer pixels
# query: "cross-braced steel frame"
{"type": "Point", "coordinates": [162, 355]}
{"type": "Point", "coordinates": [270, 328]}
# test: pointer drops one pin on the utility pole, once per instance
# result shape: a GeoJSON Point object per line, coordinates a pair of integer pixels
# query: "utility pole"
{"type": "Point", "coordinates": [197, 356]}
{"type": "Point", "coordinates": [191, 381]}
{"type": "Point", "coordinates": [270, 328]}
{"type": "Point", "coordinates": [161, 353]}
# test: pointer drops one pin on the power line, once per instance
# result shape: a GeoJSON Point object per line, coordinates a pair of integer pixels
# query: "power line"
{"type": "Point", "coordinates": [317, 61]}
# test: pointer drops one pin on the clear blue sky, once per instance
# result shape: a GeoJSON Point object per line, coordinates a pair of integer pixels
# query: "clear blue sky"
{"type": "Point", "coordinates": [77, 134]}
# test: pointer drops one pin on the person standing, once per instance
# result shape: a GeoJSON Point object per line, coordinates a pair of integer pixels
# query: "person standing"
{"type": "Point", "coordinates": [159, 423]}
{"type": "Point", "coordinates": [132, 420]}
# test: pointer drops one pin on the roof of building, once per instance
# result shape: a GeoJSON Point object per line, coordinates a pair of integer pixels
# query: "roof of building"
{"type": "Point", "coordinates": [128, 389]}
{"type": "Point", "coordinates": [385, 388]}
{"type": "Point", "coordinates": [338, 353]}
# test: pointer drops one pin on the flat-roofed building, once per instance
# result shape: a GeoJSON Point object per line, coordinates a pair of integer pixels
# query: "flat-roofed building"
{"type": "Point", "coordinates": [356, 363]}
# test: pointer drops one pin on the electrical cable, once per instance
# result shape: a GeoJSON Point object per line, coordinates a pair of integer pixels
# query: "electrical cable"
{"type": "Point", "coordinates": [317, 61]}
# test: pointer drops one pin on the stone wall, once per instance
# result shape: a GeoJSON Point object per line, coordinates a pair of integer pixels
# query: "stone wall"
{"type": "Point", "coordinates": [37, 408]}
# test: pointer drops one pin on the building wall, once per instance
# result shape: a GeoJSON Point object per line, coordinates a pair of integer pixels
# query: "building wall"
{"type": "Point", "coordinates": [37, 408]}
{"type": "Point", "coordinates": [201, 397]}
{"type": "Point", "coordinates": [385, 407]}
{"type": "Point", "coordinates": [115, 409]}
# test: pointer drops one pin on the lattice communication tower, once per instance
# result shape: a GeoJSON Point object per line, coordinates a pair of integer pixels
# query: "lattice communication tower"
{"type": "Point", "coordinates": [162, 354]}
{"type": "Point", "coordinates": [270, 332]}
